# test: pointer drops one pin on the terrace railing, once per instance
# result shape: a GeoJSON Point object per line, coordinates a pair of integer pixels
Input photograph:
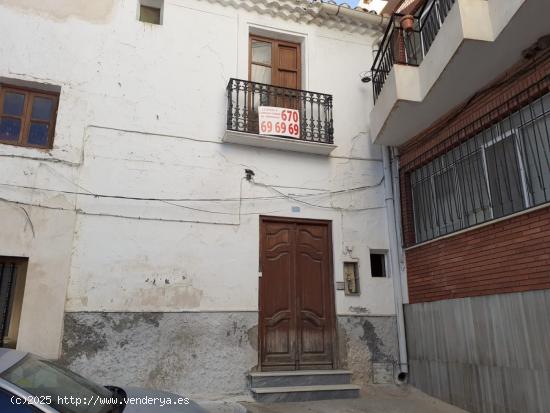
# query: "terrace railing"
{"type": "Point", "coordinates": [245, 97]}
{"type": "Point", "coordinates": [408, 47]}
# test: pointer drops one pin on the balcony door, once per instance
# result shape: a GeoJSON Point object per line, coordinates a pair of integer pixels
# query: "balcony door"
{"type": "Point", "coordinates": [275, 62]}
{"type": "Point", "coordinates": [297, 317]}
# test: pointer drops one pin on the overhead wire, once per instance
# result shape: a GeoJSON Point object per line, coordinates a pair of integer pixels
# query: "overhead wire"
{"type": "Point", "coordinates": [316, 205]}
{"type": "Point", "coordinates": [136, 198]}
{"type": "Point", "coordinates": [280, 194]}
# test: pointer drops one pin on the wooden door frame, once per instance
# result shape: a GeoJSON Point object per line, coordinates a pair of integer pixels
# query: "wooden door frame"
{"type": "Point", "coordinates": [332, 303]}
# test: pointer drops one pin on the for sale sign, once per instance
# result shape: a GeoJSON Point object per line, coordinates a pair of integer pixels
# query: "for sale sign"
{"type": "Point", "coordinates": [279, 121]}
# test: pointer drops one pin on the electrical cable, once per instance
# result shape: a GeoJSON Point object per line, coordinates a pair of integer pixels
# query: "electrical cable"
{"type": "Point", "coordinates": [133, 198]}
{"type": "Point", "coordinates": [239, 214]}
{"type": "Point", "coordinates": [103, 214]}
{"type": "Point", "coordinates": [315, 205]}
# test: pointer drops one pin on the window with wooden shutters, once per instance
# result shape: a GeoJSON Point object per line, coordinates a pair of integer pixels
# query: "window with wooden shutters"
{"type": "Point", "coordinates": [27, 116]}
{"type": "Point", "coordinates": [275, 62]}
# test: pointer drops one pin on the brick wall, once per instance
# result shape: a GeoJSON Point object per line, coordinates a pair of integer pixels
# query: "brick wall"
{"type": "Point", "coordinates": [511, 255]}
{"type": "Point", "coordinates": [508, 256]}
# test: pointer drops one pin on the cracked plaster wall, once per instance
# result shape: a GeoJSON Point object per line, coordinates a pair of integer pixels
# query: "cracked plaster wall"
{"type": "Point", "coordinates": [201, 355]}
{"type": "Point", "coordinates": [142, 112]}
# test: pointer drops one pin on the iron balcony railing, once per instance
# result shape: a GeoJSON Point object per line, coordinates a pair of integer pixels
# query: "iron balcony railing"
{"type": "Point", "coordinates": [408, 47]}
{"type": "Point", "coordinates": [245, 97]}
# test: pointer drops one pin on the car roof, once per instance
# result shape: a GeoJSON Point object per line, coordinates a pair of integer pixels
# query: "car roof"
{"type": "Point", "coordinates": [10, 357]}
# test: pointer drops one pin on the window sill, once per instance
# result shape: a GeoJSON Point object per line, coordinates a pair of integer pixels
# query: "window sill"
{"type": "Point", "coordinates": [24, 145]}
{"type": "Point", "coordinates": [274, 142]}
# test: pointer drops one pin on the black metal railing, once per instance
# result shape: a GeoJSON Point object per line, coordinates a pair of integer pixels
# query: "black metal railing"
{"type": "Point", "coordinates": [408, 47]}
{"type": "Point", "coordinates": [502, 167]}
{"type": "Point", "coordinates": [8, 273]}
{"type": "Point", "coordinates": [245, 97]}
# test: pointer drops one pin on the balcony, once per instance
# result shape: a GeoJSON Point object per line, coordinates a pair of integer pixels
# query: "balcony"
{"type": "Point", "coordinates": [408, 47]}
{"type": "Point", "coordinates": [421, 74]}
{"type": "Point", "coordinates": [314, 127]}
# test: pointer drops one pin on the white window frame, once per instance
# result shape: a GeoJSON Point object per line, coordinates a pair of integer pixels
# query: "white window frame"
{"type": "Point", "coordinates": [437, 229]}
{"type": "Point", "coordinates": [521, 168]}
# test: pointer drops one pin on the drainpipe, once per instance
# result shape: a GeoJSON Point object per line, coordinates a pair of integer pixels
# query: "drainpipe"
{"type": "Point", "coordinates": [394, 265]}
{"type": "Point", "coordinates": [397, 209]}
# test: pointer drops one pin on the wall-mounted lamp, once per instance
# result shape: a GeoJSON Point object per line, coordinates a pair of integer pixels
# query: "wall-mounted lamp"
{"type": "Point", "coordinates": [365, 76]}
{"type": "Point", "coordinates": [249, 174]}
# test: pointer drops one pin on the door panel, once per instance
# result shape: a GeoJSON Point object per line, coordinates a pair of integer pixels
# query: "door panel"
{"type": "Point", "coordinates": [278, 321]}
{"type": "Point", "coordinates": [288, 75]}
{"type": "Point", "coordinates": [313, 285]}
{"type": "Point", "coordinates": [296, 305]}
{"type": "Point", "coordinates": [288, 57]}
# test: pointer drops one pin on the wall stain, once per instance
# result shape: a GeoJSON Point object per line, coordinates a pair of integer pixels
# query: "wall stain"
{"type": "Point", "coordinates": [96, 11]}
{"type": "Point", "coordinates": [343, 344]}
{"type": "Point", "coordinates": [359, 310]}
{"type": "Point", "coordinates": [128, 322]}
{"type": "Point", "coordinates": [239, 331]}
{"type": "Point", "coordinates": [373, 342]}
{"type": "Point", "coordinates": [167, 295]}
{"type": "Point", "coordinates": [252, 334]}
{"type": "Point", "coordinates": [82, 339]}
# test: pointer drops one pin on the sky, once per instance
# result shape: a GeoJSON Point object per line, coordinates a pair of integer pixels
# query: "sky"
{"type": "Point", "coordinates": [352, 3]}
{"type": "Point", "coordinates": [376, 5]}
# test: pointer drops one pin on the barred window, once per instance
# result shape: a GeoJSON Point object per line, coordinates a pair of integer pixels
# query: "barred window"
{"type": "Point", "coordinates": [502, 170]}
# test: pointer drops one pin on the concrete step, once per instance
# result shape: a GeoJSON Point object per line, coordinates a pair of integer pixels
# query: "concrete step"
{"type": "Point", "coordinates": [305, 393]}
{"type": "Point", "coordinates": [299, 378]}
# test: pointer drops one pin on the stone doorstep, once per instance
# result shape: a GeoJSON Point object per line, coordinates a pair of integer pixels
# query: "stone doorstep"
{"type": "Point", "coordinates": [305, 393]}
{"type": "Point", "coordinates": [299, 378]}
{"type": "Point", "coordinates": [297, 373]}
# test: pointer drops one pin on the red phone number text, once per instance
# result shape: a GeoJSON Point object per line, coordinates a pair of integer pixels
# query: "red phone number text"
{"type": "Point", "coordinates": [287, 124]}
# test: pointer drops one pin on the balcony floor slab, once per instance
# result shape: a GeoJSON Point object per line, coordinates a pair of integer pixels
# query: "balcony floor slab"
{"type": "Point", "coordinates": [275, 142]}
{"type": "Point", "coordinates": [460, 62]}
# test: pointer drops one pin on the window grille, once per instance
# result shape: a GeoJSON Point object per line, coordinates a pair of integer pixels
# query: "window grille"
{"type": "Point", "coordinates": [501, 170]}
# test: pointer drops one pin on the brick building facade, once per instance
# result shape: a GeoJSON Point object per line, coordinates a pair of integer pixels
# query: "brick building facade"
{"type": "Point", "coordinates": [508, 254]}
{"type": "Point", "coordinates": [463, 98]}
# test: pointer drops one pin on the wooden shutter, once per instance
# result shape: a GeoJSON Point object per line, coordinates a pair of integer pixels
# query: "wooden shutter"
{"type": "Point", "coordinates": [283, 66]}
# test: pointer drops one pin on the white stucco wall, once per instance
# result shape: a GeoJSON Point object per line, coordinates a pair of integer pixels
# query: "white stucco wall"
{"type": "Point", "coordinates": [142, 113]}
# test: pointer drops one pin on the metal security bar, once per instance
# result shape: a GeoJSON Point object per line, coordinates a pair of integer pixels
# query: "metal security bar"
{"type": "Point", "coordinates": [408, 47]}
{"type": "Point", "coordinates": [502, 169]}
{"type": "Point", "coordinates": [8, 273]}
{"type": "Point", "coordinates": [245, 97]}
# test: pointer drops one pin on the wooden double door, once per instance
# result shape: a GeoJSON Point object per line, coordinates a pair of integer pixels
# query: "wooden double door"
{"type": "Point", "coordinates": [297, 317]}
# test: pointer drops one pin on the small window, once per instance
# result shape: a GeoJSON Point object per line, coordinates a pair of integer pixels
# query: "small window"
{"type": "Point", "coordinates": [378, 265]}
{"type": "Point", "coordinates": [150, 11]}
{"type": "Point", "coordinates": [13, 272]}
{"type": "Point", "coordinates": [27, 117]}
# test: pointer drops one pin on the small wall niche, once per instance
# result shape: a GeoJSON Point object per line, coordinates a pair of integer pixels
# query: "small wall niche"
{"type": "Point", "coordinates": [151, 11]}
{"type": "Point", "coordinates": [351, 278]}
